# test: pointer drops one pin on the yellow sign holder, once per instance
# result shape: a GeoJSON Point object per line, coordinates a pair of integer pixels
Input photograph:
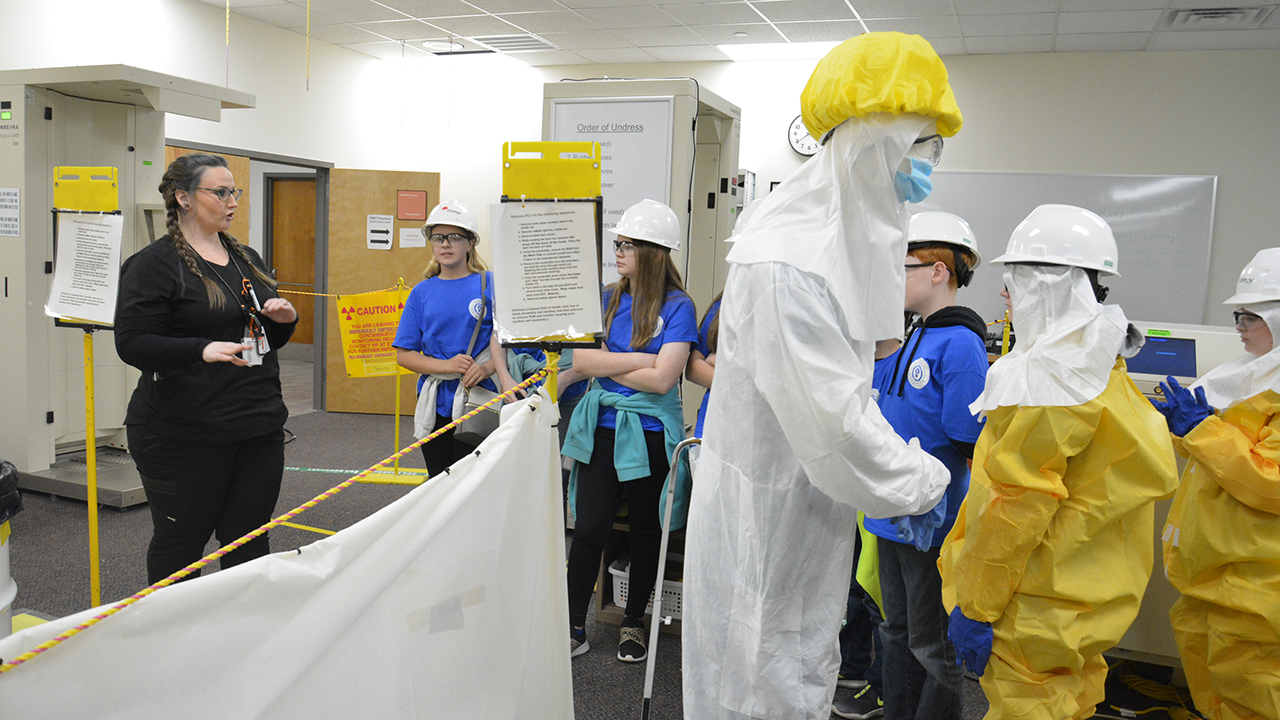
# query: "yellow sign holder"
{"type": "Point", "coordinates": [96, 190]}
{"type": "Point", "coordinates": [553, 172]}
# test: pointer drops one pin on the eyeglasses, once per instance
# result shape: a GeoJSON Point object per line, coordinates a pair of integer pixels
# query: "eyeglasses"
{"type": "Point", "coordinates": [913, 266]}
{"type": "Point", "coordinates": [624, 247]}
{"type": "Point", "coordinates": [931, 151]}
{"type": "Point", "coordinates": [451, 238]}
{"type": "Point", "coordinates": [1246, 320]}
{"type": "Point", "coordinates": [224, 194]}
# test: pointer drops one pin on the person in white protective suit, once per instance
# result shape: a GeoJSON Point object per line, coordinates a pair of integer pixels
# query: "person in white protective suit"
{"type": "Point", "coordinates": [794, 446]}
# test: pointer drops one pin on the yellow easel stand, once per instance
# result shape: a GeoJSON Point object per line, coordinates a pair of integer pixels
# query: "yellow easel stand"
{"type": "Point", "coordinates": [1004, 341]}
{"type": "Point", "coordinates": [91, 459]}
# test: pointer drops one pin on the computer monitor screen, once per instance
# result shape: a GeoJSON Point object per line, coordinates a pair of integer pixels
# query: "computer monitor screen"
{"type": "Point", "coordinates": [1165, 356]}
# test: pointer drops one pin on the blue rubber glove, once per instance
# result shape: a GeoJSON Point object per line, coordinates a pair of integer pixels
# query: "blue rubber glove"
{"type": "Point", "coordinates": [972, 640]}
{"type": "Point", "coordinates": [1182, 410]}
{"type": "Point", "coordinates": [918, 530]}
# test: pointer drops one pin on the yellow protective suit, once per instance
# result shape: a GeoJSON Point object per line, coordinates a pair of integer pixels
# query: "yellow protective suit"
{"type": "Point", "coordinates": [1222, 551]}
{"type": "Point", "coordinates": [1053, 544]}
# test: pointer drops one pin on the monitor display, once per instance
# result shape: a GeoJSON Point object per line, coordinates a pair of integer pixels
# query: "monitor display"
{"type": "Point", "coordinates": [1165, 356]}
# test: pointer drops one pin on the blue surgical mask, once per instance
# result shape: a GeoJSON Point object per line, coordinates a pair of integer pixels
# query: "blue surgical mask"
{"type": "Point", "coordinates": [916, 186]}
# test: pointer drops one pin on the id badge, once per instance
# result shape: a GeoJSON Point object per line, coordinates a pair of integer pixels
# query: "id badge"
{"type": "Point", "coordinates": [251, 354]}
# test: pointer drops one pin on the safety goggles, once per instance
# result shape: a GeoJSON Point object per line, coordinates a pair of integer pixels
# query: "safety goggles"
{"type": "Point", "coordinates": [928, 149]}
{"type": "Point", "coordinates": [1246, 320]}
{"type": "Point", "coordinates": [624, 247]}
{"type": "Point", "coordinates": [451, 238]}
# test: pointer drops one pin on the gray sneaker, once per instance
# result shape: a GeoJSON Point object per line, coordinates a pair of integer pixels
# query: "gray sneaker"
{"type": "Point", "coordinates": [862, 705]}
{"type": "Point", "coordinates": [578, 641]}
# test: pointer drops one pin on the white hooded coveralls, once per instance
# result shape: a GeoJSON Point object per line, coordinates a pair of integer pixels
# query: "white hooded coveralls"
{"type": "Point", "coordinates": [793, 446]}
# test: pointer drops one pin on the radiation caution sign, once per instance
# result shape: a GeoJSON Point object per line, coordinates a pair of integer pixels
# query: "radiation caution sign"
{"type": "Point", "coordinates": [367, 325]}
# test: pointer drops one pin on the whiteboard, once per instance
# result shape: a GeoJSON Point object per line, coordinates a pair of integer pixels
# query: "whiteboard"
{"type": "Point", "coordinates": [635, 143]}
{"type": "Point", "coordinates": [1163, 226]}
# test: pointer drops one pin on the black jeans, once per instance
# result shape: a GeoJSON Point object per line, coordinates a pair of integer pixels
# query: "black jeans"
{"type": "Point", "coordinates": [922, 680]}
{"type": "Point", "coordinates": [445, 450]}
{"type": "Point", "coordinates": [599, 493]}
{"type": "Point", "coordinates": [195, 491]}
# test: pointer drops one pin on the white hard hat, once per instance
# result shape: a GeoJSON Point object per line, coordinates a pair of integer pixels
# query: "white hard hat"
{"type": "Point", "coordinates": [740, 224]}
{"type": "Point", "coordinates": [650, 221]}
{"type": "Point", "coordinates": [1260, 279]}
{"type": "Point", "coordinates": [943, 227]}
{"type": "Point", "coordinates": [1063, 235]}
{"type": "Point", "coordinates": [452, 212]}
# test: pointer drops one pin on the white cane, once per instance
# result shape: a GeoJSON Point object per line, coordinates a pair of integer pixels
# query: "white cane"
{"type": "Point", "coordinates": [662, 567]}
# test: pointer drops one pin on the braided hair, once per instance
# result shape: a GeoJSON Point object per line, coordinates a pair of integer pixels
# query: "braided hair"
{"type": "Point", "coordinates": [185, 173]}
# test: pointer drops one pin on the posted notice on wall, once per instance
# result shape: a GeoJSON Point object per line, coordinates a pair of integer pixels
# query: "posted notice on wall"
{"type": "Point", "coordinates": [86, 272]}
{"type": "Point", "coordinates": [545, 270]}
{"type": "Point", "coordinates": [10, 212]}
{"type": "Point", "coordinates": [378, 231]}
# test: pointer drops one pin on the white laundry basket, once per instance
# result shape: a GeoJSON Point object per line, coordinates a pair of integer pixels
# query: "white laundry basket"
{"type": "Point", "coordinates": [8, 588]}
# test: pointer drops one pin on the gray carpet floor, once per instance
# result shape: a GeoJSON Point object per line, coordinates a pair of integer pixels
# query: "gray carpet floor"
{"type": "Point", "coordinates": [49, 556]}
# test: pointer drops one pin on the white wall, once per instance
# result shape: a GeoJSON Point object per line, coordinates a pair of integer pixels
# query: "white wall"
{"type": "Point", "coordinates": [1132, 113]}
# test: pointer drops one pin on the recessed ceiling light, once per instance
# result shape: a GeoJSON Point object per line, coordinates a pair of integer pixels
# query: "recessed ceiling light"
{"type": "Point", "coordinates": [777, 51]}
{"type": "Point", "coordinates": [438, 46]}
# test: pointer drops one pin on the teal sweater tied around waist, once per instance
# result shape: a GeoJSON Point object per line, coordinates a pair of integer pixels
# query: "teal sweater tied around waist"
{"type": "Point", "coordinates": [630, 454]}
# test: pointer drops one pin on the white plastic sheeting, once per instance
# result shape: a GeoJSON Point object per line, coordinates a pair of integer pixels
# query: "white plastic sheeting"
{"type": "Point", "coordinates": [449, 603]}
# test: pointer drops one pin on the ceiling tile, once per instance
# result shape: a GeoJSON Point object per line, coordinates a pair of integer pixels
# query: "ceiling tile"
{"type": "Point", "coordinates": [1109, 22]}
{"type": "Point", "coordinates": [540, 22]}
{"type": "Point", "coordinates": [1007, 25]}
{"type": "Point", "coordinates": [1103, 5]}
{"type": "Point", "coordinates": [929, 27]}
{"type": "Point", "coordinates": [285, 16]}
{"type": "Point", "coordinates": [727, 34]}
{"type": "Point", "coordinates": [1216, 40]}
{"type": "Point", "coordinates": [539, 58]}
{"type": "Point", "coordinates": [688, 53]}
{"type": "Point", "coordinates": [432, 8]}
{"type": "Point", "coordinates": [617, 57]}
{"type": "Point", "coordinates": [1208, 4]}
{"type": "Point", "coordinates": [343, 34]}
{"type": "Point", "coordinates": [644, 37]}
{"type": "Point", "coordinates": [400, 29]}
{"type": "Point", "coordinates": [589, 39]}
{"type": "Point", "coordinates": [721, 13]}
{"type": "Point", "coordinates": [236, 5]}
{"type": "Point", "coordinates": [354, 11]}
{"type": "Point", "coordinates": [579, 4]}
{"type": "Point", "coordinates": [829, 31]}
{"type": "Point", "coordinates": [1004, 7]}
{"type": "Point", "coordinates": [629, 17]}
{"type": "Point", "coordinates": [948, 46]}
{"type": "Point", "coordinates": [902, 8]}
{"type": "Point", "coordinates": [508, 6]}
{"type": "Point", "coordinates": [1272, 21]}
{"type": "Point", "coordinates": [1009, 44]}
{"type": "Point", "coordinates": [802, 10]}
{"type": "Point", "coordinates": [1101, 42]}
{"type": "Point", "coordinates": [389, 50]}
{"type": "Point", "coordinates": [474, 26]}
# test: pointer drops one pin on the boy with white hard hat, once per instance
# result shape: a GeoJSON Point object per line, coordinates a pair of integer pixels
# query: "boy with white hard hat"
{"type": "Point", "coordinates": [1051, 553]}
{"type": "Point", "coordinates": [935, 375]}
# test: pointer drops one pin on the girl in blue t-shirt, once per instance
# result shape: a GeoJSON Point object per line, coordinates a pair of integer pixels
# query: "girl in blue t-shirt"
{"type": "Point", "coordinates": [650, 325]}
{"type": "Point", "coordinates": [438, 336]}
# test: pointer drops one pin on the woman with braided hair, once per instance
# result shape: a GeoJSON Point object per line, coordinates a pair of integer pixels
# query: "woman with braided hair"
{"type": "Point", "coordinates": [200, 317]}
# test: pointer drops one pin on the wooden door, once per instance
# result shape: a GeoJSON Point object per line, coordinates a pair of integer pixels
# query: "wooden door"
{"type": "Point", "coordinates": [292, 237]}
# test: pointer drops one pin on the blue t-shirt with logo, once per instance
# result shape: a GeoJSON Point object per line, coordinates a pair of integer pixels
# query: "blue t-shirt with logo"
{"type": "Point", "coordinates": [438, 320]}
{"type": "Point", "coordinates": [677, 322]}
{"type": "Point", "coordinates": [566, 393]}
{"type": "Point", "coordinates": [703, 332]}
{"type": "Point", "coordinates": [939, 372]}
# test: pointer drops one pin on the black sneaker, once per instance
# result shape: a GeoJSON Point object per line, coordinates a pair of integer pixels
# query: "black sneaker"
{"type": "Point", "coordinates": [578, 641]}
{"type": "Point", "coordinates": [862, 705]}
{"type": "Point", "coordinates": [631, 646]}
{"type": "Point", "coordinates": [851, 683]}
